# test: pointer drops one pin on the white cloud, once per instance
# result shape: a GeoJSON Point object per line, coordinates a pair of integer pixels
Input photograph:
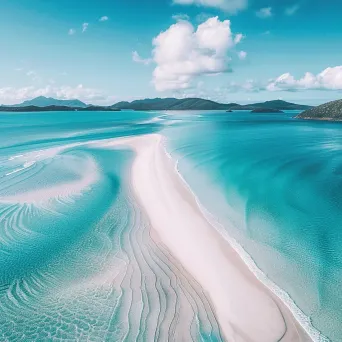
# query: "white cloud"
{"type": "Point", "coordinates": [238, 38]}
{"type": "Point", "coordinates": [231, 6]}
{"type": "Point", "coordinates": [242, 55]}
{"type": "Point", "coordinates": [180, 16]}
{"type": "Point", "coordinates": [138, 59]}
{"type": "Point", "coordinates": [9, 95]}
{"type": "Point", "coordinates": [328, 79]}
{"type": "Point", "coordinates": [104, 18]}
{"type": "Point", "coordinates": [71, 32]}
{"type": "Point", "coordinates": [78, 92]}
{"type": "Point", "coordinates": [84, 27]}
{"type": "Point", "coordinates": [264, 13]}
{"type": "Point", "coordinates": [292, 10]}
{"type": "Point", "coordinates": [183, 52]}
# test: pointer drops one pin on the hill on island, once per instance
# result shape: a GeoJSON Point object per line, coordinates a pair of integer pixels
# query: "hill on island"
{"type": "Point", "coordinates": [42, 101]}
{"type": "Point", "coordinates": [171, 104]}
{"type": "Point", "coordinates": [278, 105]}
{"type": "Point", "coordinates": [202, 104]}
{"type": "Point", "coordinates": [328, 111]}
{"type": "Point", "coordinates": [49, 104]}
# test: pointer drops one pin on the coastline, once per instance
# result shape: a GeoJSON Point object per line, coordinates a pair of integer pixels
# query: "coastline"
{"type": "Point", "coordinates": [246, 309]}
{"type": "Point", "coordinates": [280, 295]}
{"type": "Point", "coordinates": [318, 119]}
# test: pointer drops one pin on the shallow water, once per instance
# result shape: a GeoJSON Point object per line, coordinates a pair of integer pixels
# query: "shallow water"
{"type": "Point", "coordinates": [274, 183]}
{"type": "Point", "coordinates": [76, 257]}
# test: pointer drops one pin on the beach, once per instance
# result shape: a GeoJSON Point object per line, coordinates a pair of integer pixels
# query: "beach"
{"type": "Point", "coordinates": [185, 226]}
{"type": "Point", "coordinates": [245, 309]}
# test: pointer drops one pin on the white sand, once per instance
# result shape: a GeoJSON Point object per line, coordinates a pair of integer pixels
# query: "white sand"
{"type": "Point", "coordinates": [88, 175]}
{"type": "Point", "coordinates": [246, 310]}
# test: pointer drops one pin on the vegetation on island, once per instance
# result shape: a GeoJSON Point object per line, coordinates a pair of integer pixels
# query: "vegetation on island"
{"type": "Point", "coordinates": [328, 111]}
{"type": "Point", "coordinates": [42, 103]}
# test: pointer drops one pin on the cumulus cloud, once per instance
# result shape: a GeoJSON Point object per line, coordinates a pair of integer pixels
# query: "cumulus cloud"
{"type": "Point", "coordinates": [328, 79]}
{"type": "Point", "coordinates": [180, 16]}
{"type": "Point", "coordinates": [84, 27]}
{"type": "Point", "coordinates": [242, 55]}
{"type": "Point", "coordinates": [291, 10]}
{"type": "Point", "coordinates": [71, 32]}
{"type": "Point", "coordinates": [231, 6]}
{"type": "Point", "coordinates": [138, 59]}
{"type": "Point", "coordinates": [104, 18]}
{"type": "Point", "coordinates": [264, 13]}
{"type": "Point", "coordinates": [10, 95]}
{"type": "Point", "coordinates": [183, 52]}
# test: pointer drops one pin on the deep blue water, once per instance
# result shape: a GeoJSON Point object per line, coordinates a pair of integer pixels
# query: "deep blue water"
{"type": "Point", "coordinates": [76, 259]}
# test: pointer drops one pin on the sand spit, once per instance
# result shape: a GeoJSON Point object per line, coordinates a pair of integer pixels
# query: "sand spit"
{"type": "Point", "coordinates": [246, 310]}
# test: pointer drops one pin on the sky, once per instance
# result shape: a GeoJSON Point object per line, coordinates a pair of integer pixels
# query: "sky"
{"type": "Point", "coordinates": [105, 51]}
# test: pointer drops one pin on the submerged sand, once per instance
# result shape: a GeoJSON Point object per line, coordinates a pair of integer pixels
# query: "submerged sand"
{"type": "Point", "coordinates": [246, 310]}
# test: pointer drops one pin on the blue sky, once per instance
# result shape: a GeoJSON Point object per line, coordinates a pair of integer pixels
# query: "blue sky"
{"type": "Point", "coordinates": [45, 52]}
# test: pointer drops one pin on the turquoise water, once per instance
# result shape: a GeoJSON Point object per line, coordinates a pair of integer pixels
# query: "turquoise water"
{"type": "Point", "coordinates": [77, 262]}
{"type": "Point", "coordinates": [275, 183]}
{"type": "Point", "coordinates": [76, 258]}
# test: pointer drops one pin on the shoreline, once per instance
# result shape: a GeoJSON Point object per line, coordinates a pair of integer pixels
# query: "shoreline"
{"type": "Point", "coordinates": [308, 118]}
{"type": "Point", "coordinates": [246, 309]}
{"type": "Point", "coordinates": [280, 295]}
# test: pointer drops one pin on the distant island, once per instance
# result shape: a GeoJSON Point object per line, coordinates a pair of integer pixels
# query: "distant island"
{"type": "Point", "coordinates": [266, 110]}
{"type": "Point", "coordinates": [329, 111]}
{"type": "Point", "coordinates": [42, 103]}
{"type": "Point", "coordinates": [57, 109]}
{"type": "Point", "coordinates": [202, 104]}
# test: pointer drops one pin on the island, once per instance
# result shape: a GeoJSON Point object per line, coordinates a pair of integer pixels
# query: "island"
{"type": "Point", "coordinates": [204, 104]}
{"type": "Point", "coordinates": [43, 101]}
{"type": "Point", "coordinates": [266, 110]}
{"type": "Point", "coordinates": [331, 111]}
{"type": "Point", "coordinates": [57, 109]}
{"type": "Point", "coordinates": [43, 104]}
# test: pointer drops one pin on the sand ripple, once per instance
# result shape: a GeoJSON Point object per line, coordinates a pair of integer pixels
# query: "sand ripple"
{"type": "Point", "coordinates": [115, 282]}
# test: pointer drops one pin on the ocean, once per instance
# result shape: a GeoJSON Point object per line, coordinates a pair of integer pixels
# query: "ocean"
{"type": "Point", "coordinates": [77, 261]}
